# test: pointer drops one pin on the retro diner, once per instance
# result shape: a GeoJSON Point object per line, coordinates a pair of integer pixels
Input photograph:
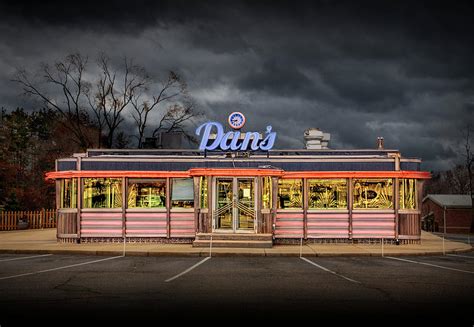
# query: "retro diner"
{"type": "Point", "coordinates": [236, 189]}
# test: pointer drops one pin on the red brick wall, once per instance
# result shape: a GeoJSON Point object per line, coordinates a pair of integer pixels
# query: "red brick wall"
{"type": "Point", "coordinates": [457, 220]}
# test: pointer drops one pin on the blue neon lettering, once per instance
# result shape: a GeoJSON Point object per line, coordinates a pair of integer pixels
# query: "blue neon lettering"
{"type": "Point", "coordinates": [231, 140]}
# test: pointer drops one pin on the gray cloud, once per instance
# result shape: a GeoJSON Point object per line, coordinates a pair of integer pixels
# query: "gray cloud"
{"type": "Point", "coordinates": [358, 70]}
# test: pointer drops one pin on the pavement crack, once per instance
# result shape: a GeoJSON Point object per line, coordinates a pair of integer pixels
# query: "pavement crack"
{"type": "Point", "coordinates": [66, 286]}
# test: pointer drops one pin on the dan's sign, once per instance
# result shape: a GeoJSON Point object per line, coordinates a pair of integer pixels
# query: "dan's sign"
{"type": "Point", "coordinates": [214, 137]}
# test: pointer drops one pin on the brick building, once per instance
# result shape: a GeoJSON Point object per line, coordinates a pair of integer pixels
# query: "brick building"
{"type": "Point", "coordinates": [458, 213]}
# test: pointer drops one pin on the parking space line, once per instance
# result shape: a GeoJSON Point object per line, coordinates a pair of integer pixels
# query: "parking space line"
{"type": "Point", "coordinates": [187, 270]}
{"type": "Point", "coordinates": [431, 265]}
{"type": "Point", "coordinates": [59, 268]}
{"type": "Point", "coordinates": [30, 257]}
{"type": "Point", "coordinates": [330, 271]}
{"type": "Point", "coordinates": [460, 256]}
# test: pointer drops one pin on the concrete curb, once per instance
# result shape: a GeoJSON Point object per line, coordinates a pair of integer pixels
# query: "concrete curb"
{"type": "Point", "coordinates": [230, 253]}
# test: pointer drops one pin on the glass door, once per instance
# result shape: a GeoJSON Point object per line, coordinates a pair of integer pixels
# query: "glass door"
{"type": "Point", "coordinates": [234, 205]}
{"type": "Point", "coordinates": [245, 204]}
{"type": "Point", "coordinates": [224, 204]}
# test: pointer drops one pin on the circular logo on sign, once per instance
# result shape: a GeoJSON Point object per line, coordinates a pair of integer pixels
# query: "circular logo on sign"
{"type": "Point", "coordinates": [236, 120]}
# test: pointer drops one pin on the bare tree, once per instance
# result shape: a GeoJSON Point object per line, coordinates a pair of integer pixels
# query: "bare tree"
{"type": "Point", "coordinates": [114, 95]}
{"type": "Point", "coordinates": [175, 119]}
{"type": "Point", "coordinates": [469, 163]}
{"type": "Point", "coordinates": [169, 90]}
{"type": "Point", "coordinates": [116, 88]}
{"type": "Point", "coordinates": [68, 77]}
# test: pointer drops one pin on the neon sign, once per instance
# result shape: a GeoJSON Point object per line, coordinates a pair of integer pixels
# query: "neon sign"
{"type": "Point", "coordinates": [213, 137]}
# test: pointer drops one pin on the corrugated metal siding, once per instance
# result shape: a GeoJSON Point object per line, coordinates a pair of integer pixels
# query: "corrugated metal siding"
{"type": "Point", "coordinates": [145, 224]}
{"type": "Point", "coordinates": [373, 225]}
{"type": "Point", "coordinates": [182, 224]}
{"type": "Point", "coordinates": [328, 225]}
{"type": "Point", "coordinates": [287, 166]}
{"type": "Point", "coordinates": [289, 225]}
{"type": "Point", "coordinates": [98, 224]}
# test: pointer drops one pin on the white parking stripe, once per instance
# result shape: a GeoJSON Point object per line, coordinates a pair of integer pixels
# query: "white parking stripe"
{"type": "Point", "coordinates": [188, 270]}
{"type": "Point", "coordinates": [30, 257]}
{"type": "Point", "coordinates": [460, 256]}
{"type": "Point", "coordinates": [330, 271]}
{"type": "Point", "coordinates": [431, 265]}
{"type": "Point", "coordinates": [59, 268]}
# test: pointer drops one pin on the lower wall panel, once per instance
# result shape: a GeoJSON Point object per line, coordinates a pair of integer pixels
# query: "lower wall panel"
{"type": "Point", "coordinates": [182, 224]}
{"type": "Point", "coordinates": [145, 224]}
{"type": "Point", "coordinates": [98, 224]}
{"type": "Point", "coordinates": [289, 225]}
{"type": "Point", "coordinates": [373, 225]}
{"type": "Point", "coordinates": [328, 225]}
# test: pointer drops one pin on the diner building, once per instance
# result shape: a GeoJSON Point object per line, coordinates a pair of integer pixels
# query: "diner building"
{"type": "Point", "coordinates": [237, 191]}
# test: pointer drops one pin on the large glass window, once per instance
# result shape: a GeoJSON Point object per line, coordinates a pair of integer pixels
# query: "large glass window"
{"type": "Point", "coordinates": [290, 194]}
{"type": "Point", "coordinates": [408, 193]}
{"type": "Point", "coordinates": [68, 193]}
{"type": "Point", "coordinates": [182, 193]}
{"type": "Point", "coordinates": [373, 194]}
{"type": "Point", "coordinates": [267, 193]}
{"type": "Point", "coordinates": [327, 194]}
{"type": "Point", "coordinates": [102, 193]}
{"type": "Point", "coordinates": [146, 193]}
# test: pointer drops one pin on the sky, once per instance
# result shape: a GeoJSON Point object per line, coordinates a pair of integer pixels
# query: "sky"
{"type": "Point", "coordinates": [403, 70]}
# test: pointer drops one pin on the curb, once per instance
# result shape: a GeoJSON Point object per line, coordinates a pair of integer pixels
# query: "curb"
{"type": "Point", "coordinates": [226, 254]}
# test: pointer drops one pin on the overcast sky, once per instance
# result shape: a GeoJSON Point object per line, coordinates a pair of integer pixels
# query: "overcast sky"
{"type": "Point", "coordinates": [355, 69]}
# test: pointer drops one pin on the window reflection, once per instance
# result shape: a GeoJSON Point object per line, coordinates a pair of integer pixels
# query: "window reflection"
{"type": "Point", "coordinates": [290, 194]}
{"type": "Point", "coordinates": [327, 193]}
{"type": "Point", "coordinates": [102, 193]}
{"type": "Point", "coordinates": [407, 193]}
{"type": "Point", "coordinates": [182, 195]}
{"type": "Point", "coordinates": [373, 194]}
{"type": "Point", "coordinates": [68, 193]}
{"type": "Point", "coordinates": [146, 193]}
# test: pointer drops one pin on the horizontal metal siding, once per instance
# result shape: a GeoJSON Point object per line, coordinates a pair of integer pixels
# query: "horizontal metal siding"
{"type": "Point", "coordinates": [328, 225]}
{"type": "Point", "coordinates": [145, 224]}
{"type": "Point", "coordinates": [66, 165]}
{"type": "Point", "coordinates": [373, 225]}
{"type": "Point", "coordinates": [412, 166]}
{"type": "Point", "coordinates": [289, 225]}
{"type": "Point", "coordinates": [98, 224]}
{"type": "Point", "coordinates": [182, 225]}
{"type": "Point", "coordinates": [287, 166]}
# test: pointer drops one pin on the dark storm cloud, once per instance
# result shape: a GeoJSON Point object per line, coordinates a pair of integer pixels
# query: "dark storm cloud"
{"type": "Point", "coordinates": [358, 70]}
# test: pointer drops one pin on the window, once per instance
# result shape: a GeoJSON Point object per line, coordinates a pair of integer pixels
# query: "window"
{"type": "Point", "coordinates": [267, 193]}
{"type": "Point", "coordinates": [290, 194]}
{"type": "Point", "coordinates": [373, 194]}
{"type": "Point", "coordinates": [408, 193]}
{"type": "Point", "coordinates": [68, 193]}
{"type": "Point", "coordinates": [182, 195]}
{"type": "Point", "coordinates": [327, 194]}
{"type": "Point", "coordinates": [146, 193]}
{"type": "Point", "coordinates": [203, 190]}
{"type": "Point", "coordinates": [102, 193]}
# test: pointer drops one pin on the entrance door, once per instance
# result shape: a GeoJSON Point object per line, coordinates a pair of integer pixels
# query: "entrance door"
{"type": "Point", "coordinates": [234, 205]}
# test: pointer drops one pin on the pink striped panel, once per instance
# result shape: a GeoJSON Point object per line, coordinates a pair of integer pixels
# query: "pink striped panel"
{"type": "Point", "coordinates": [289, 225]}
{"type": "Point", "coordinates": [148, 214]}
{"type": "Point", "coordinates": [182, 225]}
{"type": "Point", "coordinates": [373, 225]}
{"type": "Point", "coordinates": [101, 224]}
{"type": "Point", "coordinates": [147, 224]}
{"type": "Point", "coordinates": [328, 225]}
{"type": "Point", "coordinates": [100, 215]}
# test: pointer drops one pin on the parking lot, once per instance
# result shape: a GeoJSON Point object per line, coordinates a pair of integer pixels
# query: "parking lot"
{"type": "Point", "coordinates": [76, 288]}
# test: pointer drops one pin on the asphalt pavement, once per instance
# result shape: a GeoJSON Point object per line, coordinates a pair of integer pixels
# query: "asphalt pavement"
{"type": "Point", "coordinates": [82, 289]}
